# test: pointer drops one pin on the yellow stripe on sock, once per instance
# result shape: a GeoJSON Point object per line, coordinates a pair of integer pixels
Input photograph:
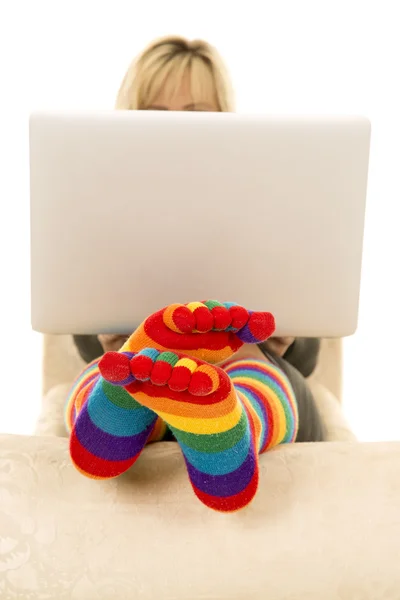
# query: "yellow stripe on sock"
{"type": "Point", "coordinates": [185, 408]}
{"type": "Point", "coordinates": [205, 425]}
{"type": "Point", "coordinates": [193, 305]}
{"type": "Point", "coordinates": [188, 363]}
{"type": "Point", "coordinates": [256, 419]}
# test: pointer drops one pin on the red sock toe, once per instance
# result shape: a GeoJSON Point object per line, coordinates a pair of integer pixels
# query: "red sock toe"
{"type": "Point", "coordinates": [115, 367]}
{"type": "Point", "coordinates": [239, 316]}
{"type": "Point", "coordinates": [261, 325]}
{"type": "Point", "coordinates": [180, 379]}
{"type": "Point", "coordinates": [141, 367]}
{"type": "Point", "coordinates": [222, 317]}
{"type": "Point", "coordinates": [184, 319]}
{"type": "Point", "coordinates": [161, 372]}
{"type": "Point", "coordinates": [204, 319]}
{"type": "Point", "coordinates": [201, 384]}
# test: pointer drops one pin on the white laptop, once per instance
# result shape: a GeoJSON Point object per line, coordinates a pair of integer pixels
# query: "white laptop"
{"type": "Point", "coordinates": [132, 211]}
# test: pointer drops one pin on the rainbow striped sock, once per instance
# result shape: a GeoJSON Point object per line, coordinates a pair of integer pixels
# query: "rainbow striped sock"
{"type": "Point", "coordinates": [221, 419]}
{"type": "Point", "coordinates": [212, 331]}
{"type": "Point", "coordinates": [108, 428]}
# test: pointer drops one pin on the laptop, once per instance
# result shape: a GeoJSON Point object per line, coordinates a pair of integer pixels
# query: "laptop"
{"type": "Point", "coordinates": [134, 210]}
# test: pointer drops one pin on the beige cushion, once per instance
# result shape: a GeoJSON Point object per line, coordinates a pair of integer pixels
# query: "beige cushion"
{"type": "Point", "coordinates": [329, 367]}
{"type": "Point", "coordinates": [61, 361]}
{"type": "Point", "coordinates": [324, 526]}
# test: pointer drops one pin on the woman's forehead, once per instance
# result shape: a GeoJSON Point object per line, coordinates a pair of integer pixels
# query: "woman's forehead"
{"type": "Point", "coordinates": [184, 90]}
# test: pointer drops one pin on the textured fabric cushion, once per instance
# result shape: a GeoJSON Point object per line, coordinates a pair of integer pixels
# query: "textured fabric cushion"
{"type": "Point", "coordinates": [337, 428]}
{"type": "Point", "coordinates": [329, 367]}
{"type": "Point", "coordinates": [324, 524]}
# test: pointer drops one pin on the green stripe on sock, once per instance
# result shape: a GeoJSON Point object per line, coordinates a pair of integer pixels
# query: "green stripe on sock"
{"type": "Point", "coordinates": [212, 304]}
{"type": "Point", "coordinates": [168, 357]}
{"type": "Point", "coordinates": [216, 442]}
{"type": "Point", "coordinates": [119, 396]}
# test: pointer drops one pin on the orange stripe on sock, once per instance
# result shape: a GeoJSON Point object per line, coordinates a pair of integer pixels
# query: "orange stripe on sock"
{"type": "Point", "coordinates": [168, 317]}
{"type": "Point", "coordinates": [184, 408]}
{"type": "Point", "coordinates": [159, 431]}
{"type": "Point", "coordinates": [140, 340]}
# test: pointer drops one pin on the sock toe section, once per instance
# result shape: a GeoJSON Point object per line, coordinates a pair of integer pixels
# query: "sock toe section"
{"type": "Point", "coordinates": [259, 328]}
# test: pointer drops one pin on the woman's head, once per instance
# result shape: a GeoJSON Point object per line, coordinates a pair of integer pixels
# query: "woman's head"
{"type": "Point", "coordinates": [176, 74]}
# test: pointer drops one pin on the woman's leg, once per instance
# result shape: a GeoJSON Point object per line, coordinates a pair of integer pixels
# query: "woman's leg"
{"type": "Point", "coordinates": [108, 428]}
{"type": "Point", "coordinates": [311, 425]}
{"type": "Point", "coordinates": [222, 419]}
{"type": "Point", "coordinates": [268, 392]}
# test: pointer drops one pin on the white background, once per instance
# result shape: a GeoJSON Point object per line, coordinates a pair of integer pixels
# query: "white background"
{"type": "Point", "coordinates": [286, 56]}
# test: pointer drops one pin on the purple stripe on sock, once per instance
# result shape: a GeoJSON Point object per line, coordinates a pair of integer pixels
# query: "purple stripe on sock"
{"type": "Point", "coordinates": [246, 336]}
{"type": "Point", "coordinates": [227, 485]}
{"type": "Point", "coordinates": [106, 446]}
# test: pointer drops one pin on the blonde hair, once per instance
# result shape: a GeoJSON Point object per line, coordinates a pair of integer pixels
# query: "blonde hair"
{"type": "Point", "coordinates": [163, 64]}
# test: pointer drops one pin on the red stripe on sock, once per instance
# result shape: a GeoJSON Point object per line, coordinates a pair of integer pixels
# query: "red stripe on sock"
{"type": "Point", "coordinates": [180, 341]}
{"type": "Point", "coordinates": [232, 503]}
{"type": "Point", "coordinates": [155, 392]}
{"type": "Point", "coordinates": [96, 467]}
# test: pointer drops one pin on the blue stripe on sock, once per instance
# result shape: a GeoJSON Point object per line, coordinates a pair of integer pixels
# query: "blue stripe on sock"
{"type": "Point", "coordinates": [219, 463]}
{"type": "Point", "coordinates": [114, 420]}
{"type": "Point", "coordinates": [150, 352]}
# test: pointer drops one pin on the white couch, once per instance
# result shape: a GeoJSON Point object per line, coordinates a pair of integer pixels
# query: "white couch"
{"type": "Point", "coordinates": [325, 524]}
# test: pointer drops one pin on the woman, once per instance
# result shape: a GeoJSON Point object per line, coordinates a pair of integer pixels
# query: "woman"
{"type": "Point", "coordinates": [175, 74]}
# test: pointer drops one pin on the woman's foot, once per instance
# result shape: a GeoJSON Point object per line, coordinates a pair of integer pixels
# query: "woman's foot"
{"type": "Point", "coordinates": [211, 331]}
{"type": "Point", "coordinates": [198, 402]}
{"type": "Point", "coordinates": [109, 429]}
